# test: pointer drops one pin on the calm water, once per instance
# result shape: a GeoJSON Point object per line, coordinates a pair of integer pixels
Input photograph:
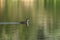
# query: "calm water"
{"type": "Point", "coordinates": [44, 19]}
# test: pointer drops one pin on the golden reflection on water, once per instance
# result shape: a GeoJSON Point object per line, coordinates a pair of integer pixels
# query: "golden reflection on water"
{"type": "Point", "coordinates": [28, 3]}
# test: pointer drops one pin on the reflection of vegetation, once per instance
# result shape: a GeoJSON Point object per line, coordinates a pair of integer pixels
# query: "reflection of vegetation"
{"type": "Point", "coordinates": [53, 10]}
{"type": "Point", "coordinates": [40, 34]}
{"type": "Point", "coordinates": [14, 11]}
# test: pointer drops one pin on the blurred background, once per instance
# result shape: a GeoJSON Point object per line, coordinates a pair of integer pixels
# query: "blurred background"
{"type": "Point", "coordinates": [44, 18]}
